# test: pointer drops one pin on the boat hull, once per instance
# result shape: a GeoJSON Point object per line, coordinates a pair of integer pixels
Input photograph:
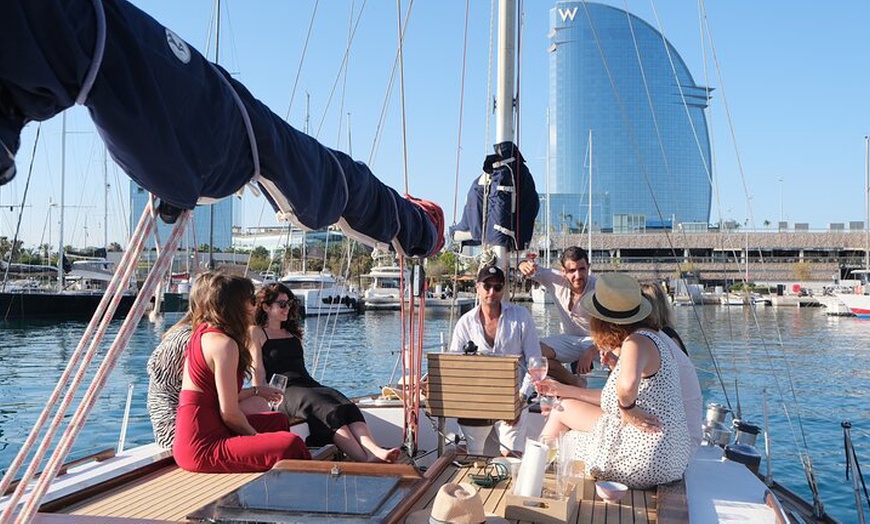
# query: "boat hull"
{"type": "Point", "coordinates": [859, 305]}
{"type": "Point", "coordinates": [56, 305]}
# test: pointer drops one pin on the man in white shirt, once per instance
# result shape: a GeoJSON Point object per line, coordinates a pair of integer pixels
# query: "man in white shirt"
{"type": "Point", "coordinates": [567, 286]}
{"type": "Point", "coordinates": [497, 327]}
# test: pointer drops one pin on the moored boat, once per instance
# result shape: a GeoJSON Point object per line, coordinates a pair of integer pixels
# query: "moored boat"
{"type": "Point", "coordinates": [321, 294]}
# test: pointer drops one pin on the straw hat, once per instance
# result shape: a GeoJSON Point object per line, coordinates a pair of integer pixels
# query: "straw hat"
{"type": "Point", "coordinates": [456, 504]}
{"type": "Point", "coordinates": [616, 299]}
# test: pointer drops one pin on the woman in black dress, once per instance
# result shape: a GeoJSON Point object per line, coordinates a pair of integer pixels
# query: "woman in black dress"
{"type": "Point", "coordinates": [276, 347]}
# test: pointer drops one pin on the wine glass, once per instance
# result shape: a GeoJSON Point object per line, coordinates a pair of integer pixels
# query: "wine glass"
{"type": "Point", "coordinates": [547, 402]}
{"type": "Point", "coordinates": [537, 369]}
{"type": "Point", "coordinates": [278, 382]}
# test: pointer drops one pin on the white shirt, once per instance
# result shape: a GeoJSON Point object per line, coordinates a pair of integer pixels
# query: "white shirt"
{"type": "Point", "coordinates": [514, 335]}
{"type": "Point", "coordinates": [576, 320]}
{"type": "Point", "coordinates": [690, 388]}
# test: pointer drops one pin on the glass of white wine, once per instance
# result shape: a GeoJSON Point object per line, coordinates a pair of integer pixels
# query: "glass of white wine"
{"type": "Point", "coordinates": [278, 382]}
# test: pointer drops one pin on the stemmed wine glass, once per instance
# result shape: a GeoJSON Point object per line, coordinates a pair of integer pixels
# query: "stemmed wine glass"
{"type": "Point", "coordinates": [278, 382]}
{"type": "Point", "coordinates": [538, 368]}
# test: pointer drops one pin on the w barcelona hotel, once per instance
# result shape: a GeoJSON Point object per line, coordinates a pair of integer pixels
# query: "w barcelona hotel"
{"type": "Point", "coordinates": [623, 101]}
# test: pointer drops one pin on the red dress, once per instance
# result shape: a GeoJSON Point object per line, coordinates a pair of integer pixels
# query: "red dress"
{"type": "Point", "coordinates": [204, 443]}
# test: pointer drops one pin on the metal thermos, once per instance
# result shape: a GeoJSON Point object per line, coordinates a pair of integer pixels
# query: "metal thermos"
{"type": "Point", "coordinates": [743, 450]}
{"type": "Point", "coordinates": [716, 433]}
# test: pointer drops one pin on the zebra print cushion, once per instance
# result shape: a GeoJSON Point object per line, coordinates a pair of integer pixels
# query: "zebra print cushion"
{"type": "Point", "coordinates": [165, 369]}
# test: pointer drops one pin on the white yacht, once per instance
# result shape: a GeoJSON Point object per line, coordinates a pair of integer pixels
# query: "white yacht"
{"type": "Point", "coordinates": [321, 294]}
{"type": "Point", "coordinates": [383, 292]}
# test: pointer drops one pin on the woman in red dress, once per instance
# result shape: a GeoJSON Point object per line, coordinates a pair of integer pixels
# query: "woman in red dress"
{"type": "Point", "coordinates": [212, 433]}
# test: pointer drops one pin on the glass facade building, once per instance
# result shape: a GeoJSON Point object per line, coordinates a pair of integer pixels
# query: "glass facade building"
{"type": "Point", "coordinates": [614, 75]}
{"type": "Point", "coordinates": [223, 222]}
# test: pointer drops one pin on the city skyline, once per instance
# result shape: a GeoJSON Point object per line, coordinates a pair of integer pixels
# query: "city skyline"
{"type": "Point", "coordinates": [794, 90]}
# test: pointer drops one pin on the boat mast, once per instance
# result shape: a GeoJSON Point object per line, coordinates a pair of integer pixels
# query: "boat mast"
{"type": "Point", "coordinates": [217, 58]}
{"type": "Point", "coordinates": [105, 199]}
{"type": "Point", "coordinates": [304, 250]}
{"type": "Point", "coordinates": [547, 223]}
{"type": "Point", "coordinates": [504, 101]}
{"type": "Point", "coordinates": [60, 271]}
{"type": "Point", "coordinates": [589, 224]}
{"type": "Point", "coordinates": [866, 203]}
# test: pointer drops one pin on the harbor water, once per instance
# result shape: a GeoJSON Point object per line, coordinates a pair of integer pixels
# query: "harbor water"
{"type": "Point", "coordinates": [812, 370]}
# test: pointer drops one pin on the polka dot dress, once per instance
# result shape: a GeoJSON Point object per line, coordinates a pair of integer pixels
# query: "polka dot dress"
{"type": "Point", "coordinates": [619, 451]}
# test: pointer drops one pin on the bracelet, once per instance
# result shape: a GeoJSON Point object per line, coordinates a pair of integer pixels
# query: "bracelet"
{"type": "Point", "coordinates": [628, 407]}
{"type": "Point", "coordinates": [257, 392]}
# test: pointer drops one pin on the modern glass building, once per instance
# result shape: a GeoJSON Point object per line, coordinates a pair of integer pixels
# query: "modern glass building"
{"type": "Point", "coordinates": [201, 233]}
{"type": "Point", "coordinates": [613, 74]}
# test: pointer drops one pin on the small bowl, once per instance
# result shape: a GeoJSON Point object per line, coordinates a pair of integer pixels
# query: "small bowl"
{"type": "Point", "coordinates": [611, 491]}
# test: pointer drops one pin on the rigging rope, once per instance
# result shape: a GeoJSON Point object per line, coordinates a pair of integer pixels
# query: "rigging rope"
{"type": "Point", "coordinates": [92, 337]}
{"type": "Point", "coordinates": [340, 68]}
{"type": "Point", "coordinates": [403, 113]}
{"type": "Point", "coordinates": [636, 149]}
{"type": "Point", "coordinates": [18, 223]}
{"type": "Point", "coordinates": [301, 60]}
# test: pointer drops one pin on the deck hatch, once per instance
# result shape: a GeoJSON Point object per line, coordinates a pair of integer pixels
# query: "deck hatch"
{"type": "Point", "coordinates": [284, 496]}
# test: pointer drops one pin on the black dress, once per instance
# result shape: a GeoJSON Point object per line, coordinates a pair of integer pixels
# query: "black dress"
{"type": "Point", "coordinates": [325, 409]}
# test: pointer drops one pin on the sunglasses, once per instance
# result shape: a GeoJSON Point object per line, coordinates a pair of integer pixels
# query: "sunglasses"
{"type": "Point", "coordinates": [496, 287]}
{"type": "Point", "coordinates": [283, 304]}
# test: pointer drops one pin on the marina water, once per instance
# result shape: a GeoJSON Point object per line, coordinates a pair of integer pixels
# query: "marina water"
{"type": "Point", "coordinates": [813, 369]}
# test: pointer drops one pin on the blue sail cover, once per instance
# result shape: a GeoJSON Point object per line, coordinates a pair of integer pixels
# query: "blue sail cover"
{"type": "Point", "coordinates": [504, 195]}
{"type": "Point", "coordinates": [176, 122]}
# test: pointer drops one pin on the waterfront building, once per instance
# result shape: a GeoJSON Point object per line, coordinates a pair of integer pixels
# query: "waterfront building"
{"type": "Point", "coordinates": [611, 73]}
{"type": "Point", "coordinates": [202, 221]}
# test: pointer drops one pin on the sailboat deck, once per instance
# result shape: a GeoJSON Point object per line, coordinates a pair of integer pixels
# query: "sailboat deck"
{"type": "Point", "coordinates": [165, 495]}
{"type": "Point", "coordinates": [170, 494]}
{"type": "Point", "coordinates": [665, 505]}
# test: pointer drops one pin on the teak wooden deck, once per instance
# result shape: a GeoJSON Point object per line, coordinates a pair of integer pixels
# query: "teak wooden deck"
{"type": "Point", "coordinates": [169, 494]}
{"type": "Point", "coordinates": [665, 505]}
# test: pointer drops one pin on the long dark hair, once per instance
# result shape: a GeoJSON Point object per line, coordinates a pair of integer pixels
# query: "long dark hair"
{"type": "Point", "coordinates": [267, 295]}
{"type": "Point", "coordinates": [221, 300]}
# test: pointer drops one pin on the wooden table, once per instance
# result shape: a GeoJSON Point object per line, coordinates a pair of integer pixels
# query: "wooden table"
{"type": "Point", "coordinates": [662, 505]}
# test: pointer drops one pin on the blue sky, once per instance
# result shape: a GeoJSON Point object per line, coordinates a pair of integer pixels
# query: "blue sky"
{"type": "Point", "coordinates": [794, 77]}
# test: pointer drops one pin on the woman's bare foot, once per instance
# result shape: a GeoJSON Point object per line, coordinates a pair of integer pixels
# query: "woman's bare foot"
{"type": "Point", "coordinates": [379, 454]}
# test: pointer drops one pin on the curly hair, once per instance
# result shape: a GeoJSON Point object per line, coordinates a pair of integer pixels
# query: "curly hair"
{"type": "Point", "coordinates": [267, 295]}
{"type": "Point", "coordinates": [610, 336]}
{"type": "Point", "coordinates": [221, 300]}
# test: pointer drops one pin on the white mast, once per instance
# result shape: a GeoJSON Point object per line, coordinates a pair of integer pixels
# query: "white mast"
{"type": "Point", "coordinates": [547, 223]}
{"type": "Point", "coordinates": [105, 199]}
{"type": "Point", "coordinates": [504, 101]}
{"type": "Point", "coordinates": [60, 271]}
{"type": "Point", "coordinates": [589, 224]}
{"type": "Point", "coordinates": [867, 202]}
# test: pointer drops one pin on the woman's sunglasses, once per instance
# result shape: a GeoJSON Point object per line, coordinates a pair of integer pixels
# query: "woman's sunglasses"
{"type": "Point", "coordinates": [283, 304]}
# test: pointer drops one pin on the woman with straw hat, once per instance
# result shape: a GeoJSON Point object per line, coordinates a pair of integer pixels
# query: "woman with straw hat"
{"type": "Point", "coordinates": [636, 433]}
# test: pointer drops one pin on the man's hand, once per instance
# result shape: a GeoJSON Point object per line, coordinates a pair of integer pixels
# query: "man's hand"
{"type": "Point", "coordinates": [584, 365]}
{"type": "Point", "coordinates": [527, 268]}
